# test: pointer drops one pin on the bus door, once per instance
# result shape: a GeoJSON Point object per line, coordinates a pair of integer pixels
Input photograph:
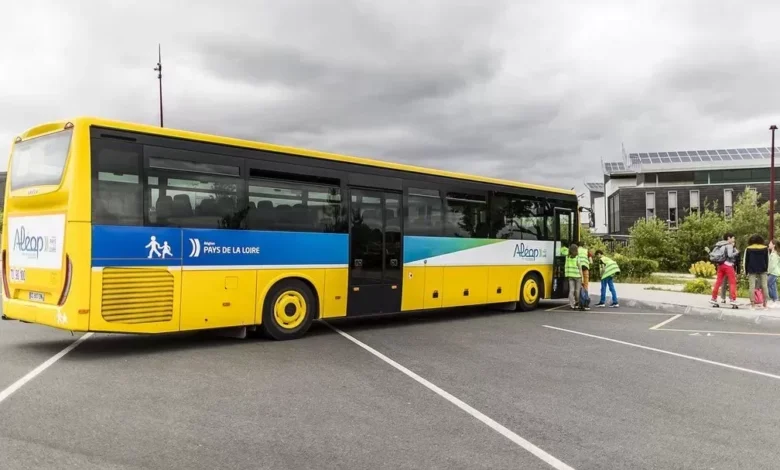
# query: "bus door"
{"type": "Point", "coordinates": [375, 270]}
{"type": "Point", "coordinates": [563, 230]}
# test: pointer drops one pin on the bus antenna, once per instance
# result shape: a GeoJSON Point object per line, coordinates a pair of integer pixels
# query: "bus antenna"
{"type": "Point", "coordinates": [158, 69]}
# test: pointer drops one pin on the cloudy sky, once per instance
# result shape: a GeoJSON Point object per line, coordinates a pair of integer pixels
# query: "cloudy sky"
{"type": "Point", "coordinates": [538, 91]}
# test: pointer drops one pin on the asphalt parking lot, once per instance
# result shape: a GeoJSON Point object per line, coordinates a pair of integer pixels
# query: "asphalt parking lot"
{"type": "Point", "coordinates": [463, 389]}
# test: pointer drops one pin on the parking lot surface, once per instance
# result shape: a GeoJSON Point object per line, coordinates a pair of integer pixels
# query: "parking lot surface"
{"type": "Point", "coordinates": [609, 388]}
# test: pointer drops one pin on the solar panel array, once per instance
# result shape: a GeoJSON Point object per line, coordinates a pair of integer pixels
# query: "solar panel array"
{"type": "Point", "coordinates": [595, 187]}
{"type": "Point", "coordinates": [614, 167]}
{"type": "Point", "coordinates": [693, 156]}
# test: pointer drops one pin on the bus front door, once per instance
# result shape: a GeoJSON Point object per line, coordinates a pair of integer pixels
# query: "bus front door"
{"type": "Point", "coordinates": [563, 226]}
{"type": "Point", "coordinates": [375, 274]}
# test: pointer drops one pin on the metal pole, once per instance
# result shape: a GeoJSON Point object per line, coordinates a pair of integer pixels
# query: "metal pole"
{"type": "Point", "coordinates": [158, 69]}
{"type": "Point", "coordinates": [773, 128]}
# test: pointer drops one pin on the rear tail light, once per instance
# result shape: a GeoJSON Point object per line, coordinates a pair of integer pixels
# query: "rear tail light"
{"type": "Point", "coordinates": [6, 289]}
{"type": "Point", "coordinates": [68, 278]}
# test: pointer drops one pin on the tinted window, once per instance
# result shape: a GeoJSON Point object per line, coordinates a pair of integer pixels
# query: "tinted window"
{"type": "Point", "coordinates": [501, 217]}
{"type": "Point", "coordinates": [520, 218]}
{"type": "Point", "coordinates": [529, 220]}
{"type": "Point", "coordinates": [295, 207]}
{"type": "Point", "coordinates": [184, 165]}
{"type": "Point", "coordinates": [466, 216]}
{"type": "Point", "coordinates": [40, 161]}
{"type": "Point", "coordinates": [179, 199]}
{"type": "Point", "coordinates": [116, 184]}
{"type": "Point", "coordinates": [423, 215]}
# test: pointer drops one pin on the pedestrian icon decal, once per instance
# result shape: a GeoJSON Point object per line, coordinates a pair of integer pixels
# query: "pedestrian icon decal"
{"type": "Point", "coordinates": [154, 248]}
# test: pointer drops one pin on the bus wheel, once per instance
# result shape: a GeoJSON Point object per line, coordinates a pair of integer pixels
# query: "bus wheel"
{"type": "Point", "coordinates": [288, 310]}
{"type": "Point", "coordinates": [530, 292]}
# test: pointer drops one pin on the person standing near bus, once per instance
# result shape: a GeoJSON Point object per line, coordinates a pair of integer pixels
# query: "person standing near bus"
{"type": "Point", "coordinates": [582, 253]}
{"type": "Point", "coordinates": [573, 272]}
{"type": "Point", "coordinates": [609, 269]}
{"type": "Point", "coordinates": [725, 255]}
{"type": "Point", "coordinates": [774, 270]}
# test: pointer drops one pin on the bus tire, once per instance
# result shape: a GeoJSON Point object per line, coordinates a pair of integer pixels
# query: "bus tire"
{"type": "Point", "coordinates": [288, 310]}
{"type": "Point", "coordinates": [530, 292]}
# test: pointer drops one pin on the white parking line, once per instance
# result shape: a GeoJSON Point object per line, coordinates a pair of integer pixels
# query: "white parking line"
{"type": "Point", "coordinates": [662, 351]}
{"type": "Point", "coordinates": [753, 333]}
{"type": "Point", "coordinates": [528, 446]}
{"type": "Point", "coordinates": [37, 371]}
{"type": "Point", "coordinates": [669, 320]}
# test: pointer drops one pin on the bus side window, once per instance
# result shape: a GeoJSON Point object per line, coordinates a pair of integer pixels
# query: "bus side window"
{"type": "Point", "coordinates": [116, 185]}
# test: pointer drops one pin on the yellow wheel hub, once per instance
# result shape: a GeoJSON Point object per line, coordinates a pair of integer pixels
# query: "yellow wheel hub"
{"type": "Point", "coordinates": [290, 309]}
{"type": "Point", "coordinates": [530, 291]}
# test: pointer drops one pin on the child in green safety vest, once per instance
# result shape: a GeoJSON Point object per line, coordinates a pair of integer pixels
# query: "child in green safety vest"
{"type": "Point", "coordinates": [609, 269]}
{"type": "Point", "coordinates": [573, 273]}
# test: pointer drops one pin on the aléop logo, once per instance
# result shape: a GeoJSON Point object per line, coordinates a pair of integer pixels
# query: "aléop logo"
{"type": "Point", "coordinates": [31, 245]}
{"type": "Point", "coordinates": [527, 252]}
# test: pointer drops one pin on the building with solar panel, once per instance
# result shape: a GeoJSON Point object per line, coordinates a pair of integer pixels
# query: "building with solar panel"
{"type": "Point", "coordinates": [669, 185]}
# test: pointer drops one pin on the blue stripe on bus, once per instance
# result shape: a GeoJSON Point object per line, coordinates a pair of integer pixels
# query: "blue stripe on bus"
{"type": "Point", "coordinates": [160, 246]}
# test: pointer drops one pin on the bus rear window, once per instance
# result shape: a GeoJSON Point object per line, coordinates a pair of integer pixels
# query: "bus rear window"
{"type": "Point", "coordinates": [40, 161]}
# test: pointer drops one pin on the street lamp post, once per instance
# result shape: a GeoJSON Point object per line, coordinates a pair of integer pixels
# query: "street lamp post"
{"type": "Point", "coordinates": [772, 128]}
{"type": "Point", "coordinates": [158, 69]}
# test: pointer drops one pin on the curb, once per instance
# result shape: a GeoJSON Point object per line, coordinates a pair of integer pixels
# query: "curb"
{"type": "Point", "coordinates": [742, 315]}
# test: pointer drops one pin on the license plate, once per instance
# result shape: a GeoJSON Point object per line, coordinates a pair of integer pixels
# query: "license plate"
{"type": "Point", "coordinates": [37, 296]}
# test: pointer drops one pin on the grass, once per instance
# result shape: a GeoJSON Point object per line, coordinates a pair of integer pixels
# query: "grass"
{"type": "Point", "coordinates": [655, 280]}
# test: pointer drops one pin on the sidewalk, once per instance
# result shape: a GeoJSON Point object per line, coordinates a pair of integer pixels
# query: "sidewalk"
{"type": "Point", "coordinates": [638, 296]}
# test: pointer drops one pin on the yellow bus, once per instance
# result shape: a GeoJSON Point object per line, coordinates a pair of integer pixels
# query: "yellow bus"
{"type": "Point", "coordinates": [118, 227]}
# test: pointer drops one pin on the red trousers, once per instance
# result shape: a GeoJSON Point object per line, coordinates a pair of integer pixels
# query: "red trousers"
{"type": "Point", "coordinates": [725, 270]}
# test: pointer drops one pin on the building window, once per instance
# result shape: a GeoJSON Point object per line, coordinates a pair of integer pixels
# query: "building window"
{"type": "Point", "coordinates": [672, 209]}
{"type": "Point", "coordinates": [728, 202]}
{"type": "Point", "coordinates": [649, 205]}
{"type": "Point", "coordinates": [617, 212]}
{"type": "Point", "coordinates": [695, 201]}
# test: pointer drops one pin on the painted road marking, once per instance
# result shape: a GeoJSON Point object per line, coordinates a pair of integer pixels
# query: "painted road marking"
{"type": "Point", "coordinates": [754, 333]}
{"type": "Point", "coordinates": [37, 371]}
{"type": "Point", "coordinates": [662, 351]}
{"type": "Point", "coordinates": [668, 320]}
{"type": "Point", "coordinates": [499, 428]}
{"type": "Point", "coordinates": [557, 308]}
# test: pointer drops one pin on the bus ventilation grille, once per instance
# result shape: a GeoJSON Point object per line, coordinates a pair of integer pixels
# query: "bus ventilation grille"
{"type": "Point", "coordinates": [137, 295]}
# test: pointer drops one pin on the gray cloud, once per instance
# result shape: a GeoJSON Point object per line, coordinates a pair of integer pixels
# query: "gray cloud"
{"type": "Point", "coordinates": [523, 90]}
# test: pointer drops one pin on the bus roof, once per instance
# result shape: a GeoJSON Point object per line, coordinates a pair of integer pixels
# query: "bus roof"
{"type": "Point", "coordinates": [234, 142]}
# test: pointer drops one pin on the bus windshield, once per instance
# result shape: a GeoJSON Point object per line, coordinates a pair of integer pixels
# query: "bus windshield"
{"type": "Point", "coordinates": [40, 161]}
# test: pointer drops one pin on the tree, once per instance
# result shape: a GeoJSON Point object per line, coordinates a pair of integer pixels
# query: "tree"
{"type": "Point", "coordinates": [697, 234]}
{"type": "Point", "coordinates": [652, 239]}
{"type": "Point", "coordinates": [749, 217]}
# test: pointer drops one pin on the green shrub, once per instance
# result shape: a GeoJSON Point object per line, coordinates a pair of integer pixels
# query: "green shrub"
{"type": "Point", "coordinates": [698, 286]}
{"type": "Point", "coordinates": [703, 269]}
{"type": "Point", "coordinates": [635, 267]}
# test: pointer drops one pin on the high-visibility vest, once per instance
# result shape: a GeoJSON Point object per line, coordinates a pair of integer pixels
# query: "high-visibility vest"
{"type": "Point", "coordinates": [582, 254]}
{"type": "Point", "coordinates": [573, 267]}
{"type": "Point", "coordinates": [611, 268]}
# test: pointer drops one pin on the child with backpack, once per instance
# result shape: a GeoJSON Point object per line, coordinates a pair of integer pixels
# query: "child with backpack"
{"type": "Point", "coordinates": [609, 269]}
{"type": "Point", "coordinates": [725, 255]}
{"type": "Point", "coordinates": [774, 270]}
{"type": "Point", "coordinates": [584, 259]}
{"type": "Point", "coordinates": [756, 264]}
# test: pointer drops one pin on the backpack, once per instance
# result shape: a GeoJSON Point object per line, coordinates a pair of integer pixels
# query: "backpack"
{"type": "Point", "coordinates": [718, 254]}
{"type": "Point", "coordinates": [758, 295]}
{"type": "Point", "coordinates": [584, 298]}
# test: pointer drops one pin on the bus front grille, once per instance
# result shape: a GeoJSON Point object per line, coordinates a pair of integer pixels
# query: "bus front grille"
{"type": "Point", "coordinates": [137, 295]}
